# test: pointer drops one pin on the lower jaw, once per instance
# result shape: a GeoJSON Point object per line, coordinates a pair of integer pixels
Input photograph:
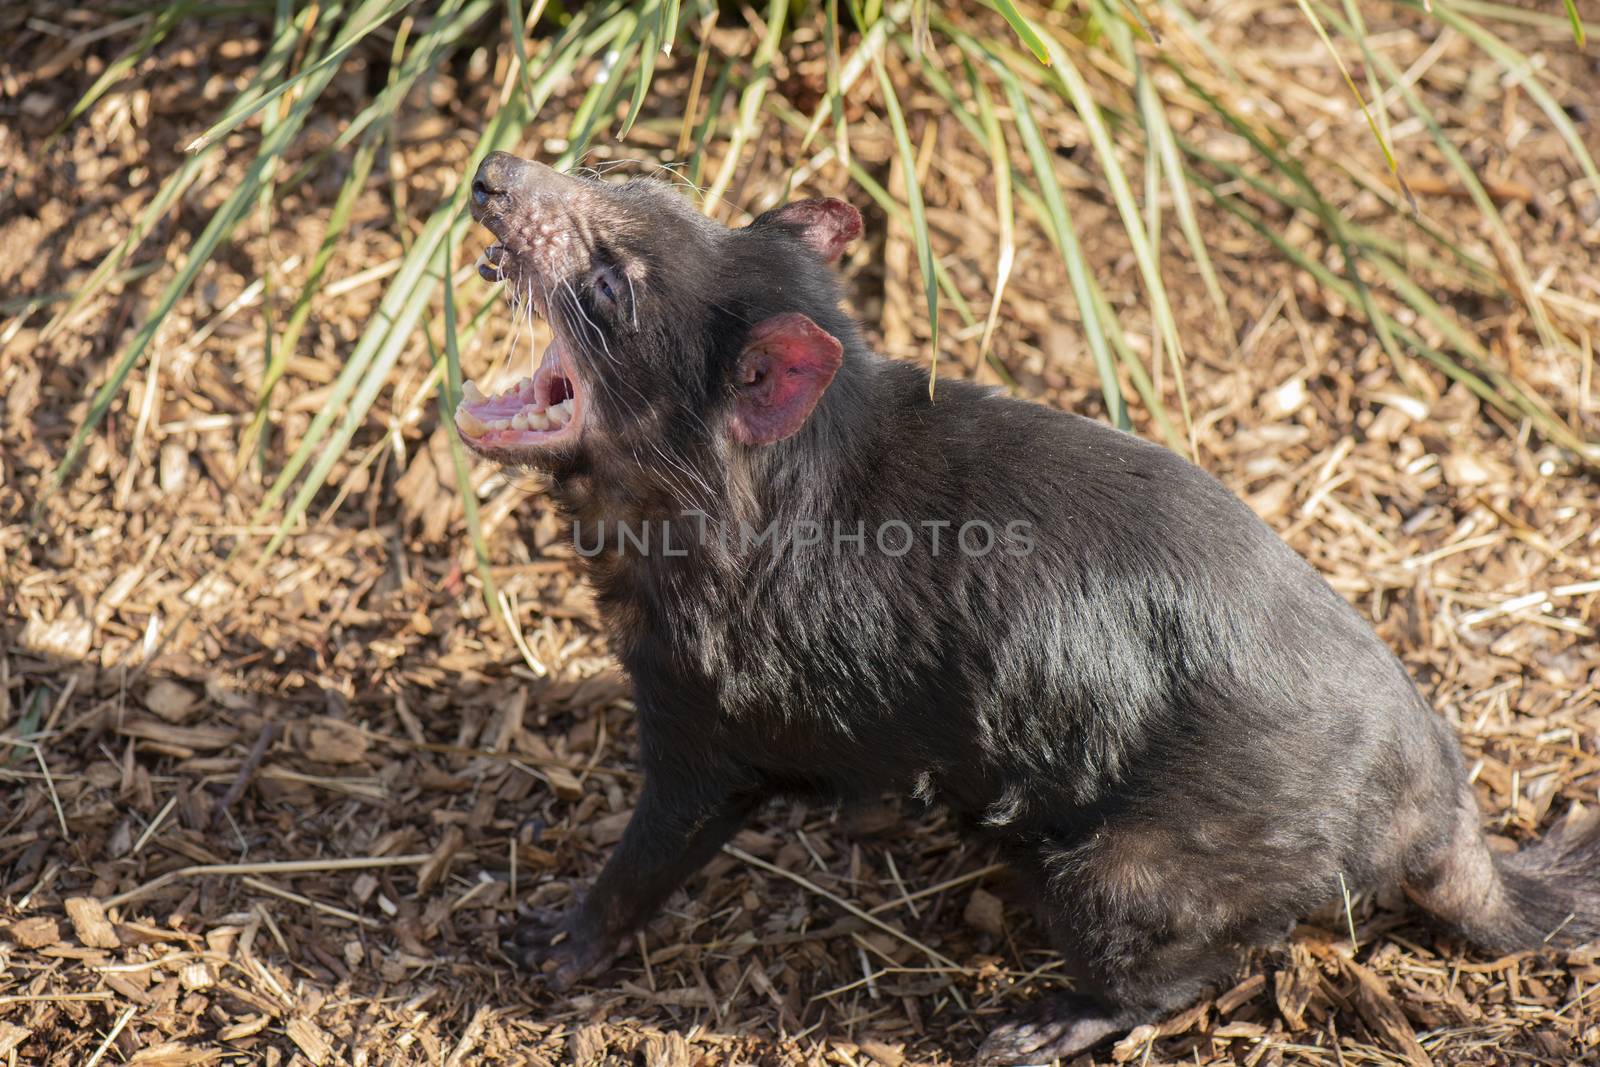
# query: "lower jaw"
{"type": "Point", "coordinates": [529, 447]}
{"type": "Point", "coordinates": [538, 415]}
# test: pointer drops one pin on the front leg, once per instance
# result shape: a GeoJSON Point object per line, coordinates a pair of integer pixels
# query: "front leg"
{"type": "Point", "coordinates": [676, 828]}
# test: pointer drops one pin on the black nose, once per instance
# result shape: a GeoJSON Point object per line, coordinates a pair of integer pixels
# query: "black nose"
{"type": "Point", "coordinates": [482, 191]}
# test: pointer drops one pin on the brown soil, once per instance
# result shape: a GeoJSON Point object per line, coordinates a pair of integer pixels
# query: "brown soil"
{"type": "Point", "coordinates": [352, 708]}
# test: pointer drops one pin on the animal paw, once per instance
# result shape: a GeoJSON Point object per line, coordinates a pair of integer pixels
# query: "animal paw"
{"type": "Point", "coordinates": [1057, 1029]}
{"type": "Point", "coordinates": [557, 946]}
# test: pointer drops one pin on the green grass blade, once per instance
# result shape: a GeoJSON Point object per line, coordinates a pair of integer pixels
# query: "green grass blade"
{"type": "Point", "coordinates": [1517, 64]}
{"type": "Point", "coordinates": [449, 397]}
{"type": "Point", "coordinates": [898, 213]}
{"type": "Point", "coordinates": [868, 49]}
{"type": "Point", "coordinates": [1101, 327]}
{"type": "Point", "coordinates": [647, 64]}
{"type": "Point", "coordinates": [1066, 238]}
{"type": "Point", "coordinates": [1163, 157]}
{"type": "Point", "coordinates": [1358, 32]}
{"type": "Point", "coordinates": [272, 64]}
{"type": "Point", "coordinates": [1129, 9]}
{"type": "Point", "coordinates": [606, 84]}
{"type": "Point", "coordinates": [707, 133]}
{"type": "Point", "coordinates": [210, 239]}
{"type": "Point", "coordinates": [1489, 9]}
{"type": "Point", "coordinates": [1350, 83]}
{"type": "Point", "coordinates": [366, 18]}
{"type": "Point", "coordinates": [1577, 22]}
{"type": "Point", "coordinates": [902, 215]}
{"type": "Point", "coordinates": [835, 90]}
{"type": "Point", "coordinates": [1188, 224]}
{"type": "Point", "coordinates": [167, 18]}
{"type": "Point", "coordinates": [1005, 212]}
{"type": "Point", "coordinates": [750, 102]}
{"type": "Point", "coordinates": [1070, 80]}
{"type": "Point", "coordinates": [516, 28]}
{"type": "Point", "coordinates": [667, 31]}
{"type": "Point", "coordinates": [919, 221]}
{"type": "Point", "coordinates": [1024, 30]}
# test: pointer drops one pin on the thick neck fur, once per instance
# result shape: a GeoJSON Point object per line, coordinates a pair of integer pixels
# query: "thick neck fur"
{"type": "Point", "coordinates": [696, 501]}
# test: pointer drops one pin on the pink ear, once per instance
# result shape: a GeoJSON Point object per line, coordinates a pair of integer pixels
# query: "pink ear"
{"type": "Point", "coordinates": [826, 225]}
{"type": "Point", "coordinates": [786, 365]}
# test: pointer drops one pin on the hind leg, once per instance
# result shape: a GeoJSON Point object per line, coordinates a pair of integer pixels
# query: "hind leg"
{"type": "Point", "coordinates": [1142, 938]}
{"type": "Point", "coordinates": [1139, 987]}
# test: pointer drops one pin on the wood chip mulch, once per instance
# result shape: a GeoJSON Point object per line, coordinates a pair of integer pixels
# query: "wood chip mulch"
{"type": "Point", "coordinates": [281, 816]}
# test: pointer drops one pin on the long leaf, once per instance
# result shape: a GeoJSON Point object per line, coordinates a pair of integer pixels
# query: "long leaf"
{"type": "Point", "coordinates": [1005, 215]}
{"type": "Point", "coordinates": [919, 220]}
{"type": "Point", "coordinates": [272, 64]}
{"type": "Point", "coordinates": [1577, 22]}
{"type": "Point", "coordinates": [216, 231]}
{"type": "Point", "coordinates": [160, 26]}
{"type": "Point", "coordinates": [1071, 81]}
{"type": "Point", "coordinates": [368, 18]}
{"type": "Point", "coordinates": [1078, 273]}
{"type": "Point", "coordinates": [1024, 30]}
{"type": "Point", "coordinates": [449, 397]}
{"type": "Point", "coordinates": [1517, 64]}
{"type": "Point", "coordinates": [750, 102]}
{"type": "Point", "coordinates": [1350, 83]}
{"type": "Point", "coordinates": [368, 365]}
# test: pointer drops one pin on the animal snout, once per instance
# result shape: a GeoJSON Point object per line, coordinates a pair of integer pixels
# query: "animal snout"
{"type": "Point", "coordinates": [503, 181]}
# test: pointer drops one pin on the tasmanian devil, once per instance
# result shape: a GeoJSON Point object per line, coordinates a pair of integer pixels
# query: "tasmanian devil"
{"type": "Point", "coordinates": [826, 583]}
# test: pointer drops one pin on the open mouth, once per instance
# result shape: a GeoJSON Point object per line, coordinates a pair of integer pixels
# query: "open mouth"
{"type": "Point", "coordinates": [535, 413]}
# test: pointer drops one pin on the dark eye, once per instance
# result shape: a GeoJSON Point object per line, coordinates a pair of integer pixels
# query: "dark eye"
{"type": "Point", "coordinates": [605, 283]}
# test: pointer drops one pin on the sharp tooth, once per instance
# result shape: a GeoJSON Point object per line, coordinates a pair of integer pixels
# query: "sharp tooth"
{"type": "Point", "coordinates": [561, 413]}
{"type": "Point", "coordinates": [469, 423]}
{"type": "Point", "coordinates": [566, 408]}
{"type": "Point", "coordinates": [525, 387]}
{"type": "Point", "coordinates": [520, 422]}
{"type": "Point", "coordinates": [470, 392]}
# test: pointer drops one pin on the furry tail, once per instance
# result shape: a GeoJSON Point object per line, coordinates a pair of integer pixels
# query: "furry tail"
{"type": "Point", "coordinates": [1547, 894]}
{"type": "Point", "coordinates": [1553, 887]}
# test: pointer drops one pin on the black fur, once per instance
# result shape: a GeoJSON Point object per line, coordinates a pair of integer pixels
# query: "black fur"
{"type": "Point", "coordinates": [1173, 727]}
